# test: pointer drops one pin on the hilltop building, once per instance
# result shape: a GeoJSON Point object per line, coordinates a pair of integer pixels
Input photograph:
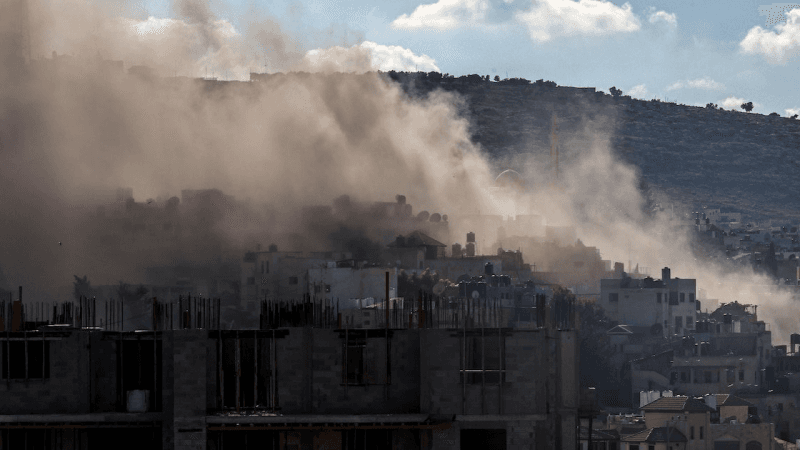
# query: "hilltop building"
{"type": "Point", "coordinates": [667, 306]}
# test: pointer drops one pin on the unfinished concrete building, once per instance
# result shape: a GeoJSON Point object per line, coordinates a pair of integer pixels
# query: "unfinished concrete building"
{"type": "Point", "coordinates": [452, 379]}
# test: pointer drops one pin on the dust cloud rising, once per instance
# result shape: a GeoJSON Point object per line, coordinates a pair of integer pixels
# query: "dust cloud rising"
{"type": "Point", "coordinates": [73, 129]}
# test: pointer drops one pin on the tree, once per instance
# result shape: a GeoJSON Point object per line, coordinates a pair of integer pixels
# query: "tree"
{"type": "Point", "coordinates": [712, 106]}
{"type": "Point", "coordinates": [409, 285]}
{"type": "Point", "coordinates": [615, 92]}
{"type": "Point", "coordinates": [81, 287]}
{"type": "Point", "coordinates": [747, 106]}
{"type": "Point", "coordinates": [794, 117]}
{"type": "Point", "coordinates": [128, 293]}
{"type": "Point", "coordinates": [774, 114]}
{"type": "Point", "coordinates": [497, 78]}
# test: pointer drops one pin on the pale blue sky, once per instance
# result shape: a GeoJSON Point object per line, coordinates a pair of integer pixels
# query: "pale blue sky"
{"type": "Point", "coordinates": [690, 52]}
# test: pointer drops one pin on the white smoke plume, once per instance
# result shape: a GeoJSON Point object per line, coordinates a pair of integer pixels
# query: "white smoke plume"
{"type": "Point", "coordinates": [70, 129]}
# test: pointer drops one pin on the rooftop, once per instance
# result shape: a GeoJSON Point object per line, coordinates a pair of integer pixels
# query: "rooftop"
{"type": "Point", "coordinates": [677, 404]}
{"type": "Point", "coordinates": [656, 435]}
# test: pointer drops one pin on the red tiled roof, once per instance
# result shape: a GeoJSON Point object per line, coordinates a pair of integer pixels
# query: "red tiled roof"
{"type": "Point", "coordinates": [656, 435]}
{"type": "Point", "coordinates": [731, 400]}
{"type": "Point", "coordinates": [677, 404]}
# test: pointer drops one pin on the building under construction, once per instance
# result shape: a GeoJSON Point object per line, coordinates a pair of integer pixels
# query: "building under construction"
{"type": "Point", "coordinates": [432, 374]}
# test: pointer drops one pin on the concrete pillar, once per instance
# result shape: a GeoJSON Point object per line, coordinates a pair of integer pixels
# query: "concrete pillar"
{"type": "Point", "coordinates": [185, 428]}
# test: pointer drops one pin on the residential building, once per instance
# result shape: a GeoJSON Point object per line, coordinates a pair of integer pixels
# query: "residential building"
{"type": "Point", "coordinates": [692, 417]}
{"type": "Point", "coordinates": [668, 305]}
{"type": "Point", "coordinates": [311, 384]}
{"type": "Point", "coordinates": [413, 250]}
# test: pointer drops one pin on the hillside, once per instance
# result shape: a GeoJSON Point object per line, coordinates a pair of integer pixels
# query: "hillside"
{"type": "Point", "coordinates": [738, 161]}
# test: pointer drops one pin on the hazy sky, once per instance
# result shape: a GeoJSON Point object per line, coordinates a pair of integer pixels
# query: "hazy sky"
{"type": "Point", "coordinates": [688, 52]}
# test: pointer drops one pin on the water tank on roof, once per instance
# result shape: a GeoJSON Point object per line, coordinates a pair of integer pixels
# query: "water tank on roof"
{"type": "Point", "coordinates": [488, 269]}
{"type": "Point", "coordinates": [424, 215]}
{"type": "Point", "coordinates": [436, 217]}
{"type": "Point", "coordinates": [456, 249]}
{"type": "Point", "coordinates": [470, 237]}
{"type": "Point", "coordinates": [471, 249]}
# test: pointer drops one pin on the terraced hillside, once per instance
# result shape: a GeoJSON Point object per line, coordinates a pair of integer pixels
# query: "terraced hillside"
{"type": "Point", "coordinates": [739, 161]}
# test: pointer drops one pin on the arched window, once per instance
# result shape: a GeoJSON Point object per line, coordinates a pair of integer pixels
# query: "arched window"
{"type": "Point", "coordinates": [753, 445]}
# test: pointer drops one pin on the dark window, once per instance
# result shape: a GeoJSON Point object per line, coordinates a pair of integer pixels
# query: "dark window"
{"type": "Point", "coordinates": [691, 432]}
{"type": "Point", "coordinates": [242, 358]}
{"type": "Point", "coordinates": [613, 297]}
{"type": "Point", "coordinates": [485, 360]}
{"type": "Point", "coordinates": [327, 288]}
{"type": "Point", "coordinates": [684, 377]}
{"type": "Point", "coordinates": [753, 445]}
{"type": "Point", "coordinates": [136, 370]}
{"type": "Point", "coordinates": [678, 323]}
{"type": "Point", "coordinates": [364, 358]}
{"type": "Point", "coordinates": [292, 280]}
{"type": "Point", "coordinates": [691, 297]}
{"type": "Point", "coordinates": [701, 432]}
{"type": "Point", "coordinates": [353, 363]}
{"type": "Point", "coordinates": [483, 439]}
{"type": "Point", "coordinates": [683, 297]}
{"type": "Point", "coordinates": [38, 359]}
{"type": "Point", "coordinates": [741, 375]}
{"type": "Point", "coordinates": [658, 297]}
{"type": "Point", "coordinates": [673, 298]}
{"type": "Point", "coordinates": [689, 323]}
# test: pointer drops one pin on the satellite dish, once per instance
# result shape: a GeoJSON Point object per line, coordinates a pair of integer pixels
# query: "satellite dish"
{"type": "Point", "coordinates": [476, 295]}
{"type": "Point", "coordinates": [438, 289]}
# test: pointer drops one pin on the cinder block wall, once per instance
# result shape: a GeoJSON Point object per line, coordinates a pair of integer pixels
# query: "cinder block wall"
{"type": "Point", "coordinates": [526, 365]}
{"type": "Point", "coordinates": [330, 395]}
{"type": "Point", "coordinates": [186, 426]}
{"type": "Point", "coordinates": [66, 391]}
{"type": "Point", "coordinates": [310, 363]}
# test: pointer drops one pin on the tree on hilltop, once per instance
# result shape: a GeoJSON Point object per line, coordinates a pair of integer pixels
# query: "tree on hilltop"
{"type": "Point", "coordinates": [497, 78]}
{"type": "Point", "coordinates": [712, 106]}
{"type": "Point", "coordinates": [81, 287]}
{"type": "Point", "coordinates": [128, 293]}
{"type": "Point", "coordinates": [616, 93]}
{"type": "Point", "coordinates": [747, 106]}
